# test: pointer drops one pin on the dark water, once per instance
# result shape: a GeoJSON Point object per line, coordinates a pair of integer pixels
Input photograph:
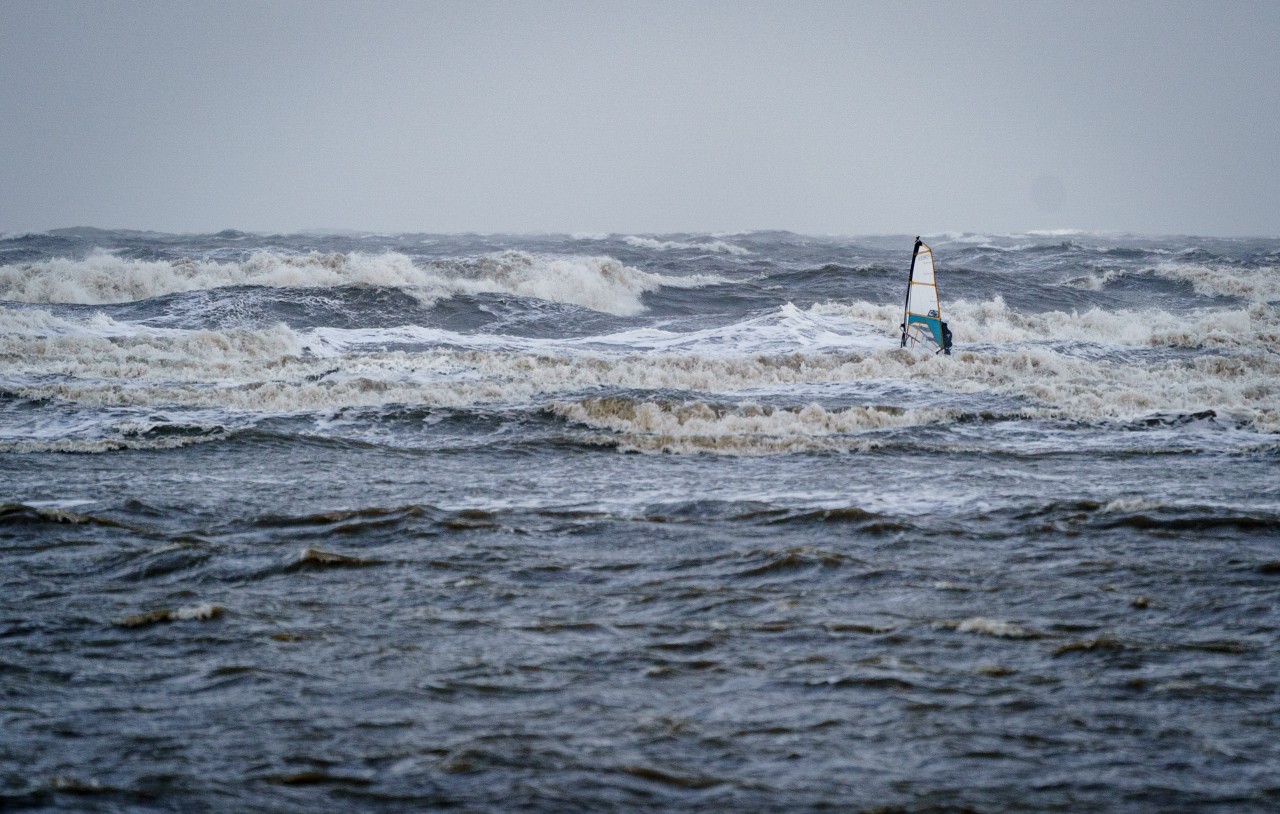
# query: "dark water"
{"type": "Point", "coordinates": [593, 523]}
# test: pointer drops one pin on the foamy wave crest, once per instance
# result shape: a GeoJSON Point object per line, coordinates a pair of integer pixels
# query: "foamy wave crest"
{"type": "Point", "coordinates": [599, 283]}
{"type": "Point", "coordinates": [106, 363]}
{"type": "Point", "coordinates": [996, 241]}
{"type": "Point", "coordinates": [993, 322]}
{"type": "Point", "coordinates": [990, 627]}
{"type": "Point", "coordinates": [190, 613]}
{"type": "Point", "coordinates": [105, 278]}
{"type": "Point", "coordinates": [596, 282]}
{"type": "Point", "coordinates": [89, 446]}
{"type": "Point", "coordinates": [1052, 386]}
{"type": "Point", "coordinates": [1254, 284]}
{"type": "Point", "coordinates": [1129, 505]}
{"type": "Point", "coordinates": [35, 342]}
{"type": "Point", "coordinates": [786, 329]}
{"type": "Point", "coordinates": [1257, 284]}
{"type": "Point", "coordinates": [748, 429]}
{"type": "Point", "coordinates": [667, 245]}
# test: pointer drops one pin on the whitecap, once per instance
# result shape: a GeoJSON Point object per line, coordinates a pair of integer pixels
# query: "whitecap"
{"type": "Point", "coordinates": [745, 429]}
{"type": "Point", "coordinates": [1253, 284]}
{"type": "Point", "coordinates": [993, 627]}
{"type": "Point", "coordinates": [668, 245]}
{"type": "Point", "coordinates": [597, 282]}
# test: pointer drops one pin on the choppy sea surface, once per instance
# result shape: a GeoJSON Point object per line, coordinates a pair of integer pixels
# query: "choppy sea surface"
{"type": "Point", "coordinates": [330, 521]}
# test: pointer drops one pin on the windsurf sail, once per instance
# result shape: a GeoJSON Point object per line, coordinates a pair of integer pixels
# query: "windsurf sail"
{"type": "Point", "coordinates": [922, 323]}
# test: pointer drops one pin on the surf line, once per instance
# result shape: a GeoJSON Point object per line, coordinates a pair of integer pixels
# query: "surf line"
{"type": "Point", "coordinates": [922, 324]}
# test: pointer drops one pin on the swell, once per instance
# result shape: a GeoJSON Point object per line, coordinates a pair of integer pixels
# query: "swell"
{"type": "Point", "coordinates": [1148, 515]}
{"type": "Point", "coordinates": [20, 514]}
{"type": "Point", "coordinates": [992, 321]}
{"type": "Point", "coordinates": [600, 283]}
{"type": "Point", "coordinates": [1252, 283]}
{"type": "Point", "coordinates": [117, 437]}
{"type": "Point", "coordinates": [745, 429]}
{"type": "Point", "coordinates": [264, 372]}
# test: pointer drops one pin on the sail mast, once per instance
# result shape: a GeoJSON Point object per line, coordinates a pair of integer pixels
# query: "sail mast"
{"type": "Point", "coordinates": [907, 304]}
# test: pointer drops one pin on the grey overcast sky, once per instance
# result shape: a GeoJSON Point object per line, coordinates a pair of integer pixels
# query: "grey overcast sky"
{"type": "Point", "coordinates": [820, 117]}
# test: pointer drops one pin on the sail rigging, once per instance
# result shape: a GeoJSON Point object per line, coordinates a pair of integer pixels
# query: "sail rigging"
{"type": "Point", "coordinates": [922, 323]}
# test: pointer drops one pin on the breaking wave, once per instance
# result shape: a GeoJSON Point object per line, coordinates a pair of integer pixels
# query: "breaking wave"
{"type": "Point", "coordinates": [990, 627]}
{"type": "Point", "coordinates": [596, 282]}
{"type": "Point", "coordinates": [697, 426]}
{"type": "Point", "coordinates": [994, 322]}
{"type": "Point", "coordinates": [1253, 284]}
{"type": "Point", "coordinates": [190, 613]}
{"type": "Point", "coordinates": [668, 245]}
{"type": "Point", "coordinates": [269, 370]}
{"type": "Point", "coordinates": [35, 342]}
{"type": "Point", "coordinates": [89, 446]}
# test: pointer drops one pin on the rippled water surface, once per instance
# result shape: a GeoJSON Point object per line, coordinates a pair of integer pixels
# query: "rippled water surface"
{"type": "Point", "coordinates": [661, 522]}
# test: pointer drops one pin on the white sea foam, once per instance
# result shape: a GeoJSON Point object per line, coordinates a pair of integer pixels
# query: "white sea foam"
{"type": "Point", "coordinates": [1257, 284]}
{"type": "Point", "coordinates": [666, 245]}
{"type": "Point", "coordinates": [696, 426]}
{"type": "Point", "coordinates": [1254, 284]}
{"type": "Point", "coordinates": [1129, 505]}
{"type": "Point", "coordinates": [35, 342]}
{"type": "Point", "coordinates": [600, 283]}
{"type": "Point", "coordinates": [190, 613]}
{"type": "Point", "coordinates": [990, 237]}
{"type": "Point", "coordinates": [993, 322]}
{"type": "Point", "coordinates": [993, 627]}
{"type": "Point", "coordinates": [97, 445]}
{"type": "Point", "coordinates": [597, 282]}
{"type": "Point", "coordinates": [206, 610]}
{"type": "Point", "coordinates": [1052, 385]}
{"type": "Point", "coordinates": [102, 362]}
{"type": "Point", "coordinates": [982, 240]}
{"type": "Point", "coordinates": [786, 330]}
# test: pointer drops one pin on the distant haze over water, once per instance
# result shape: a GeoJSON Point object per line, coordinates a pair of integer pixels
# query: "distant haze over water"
{"type": "Point", "coordinates": [828, 118]}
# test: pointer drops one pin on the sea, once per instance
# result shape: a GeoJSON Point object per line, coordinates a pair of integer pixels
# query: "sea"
{"type": "Point", "coordinates": [340, 521]}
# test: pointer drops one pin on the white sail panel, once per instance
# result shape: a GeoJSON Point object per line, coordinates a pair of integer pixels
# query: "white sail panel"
{"type": "Point", "coordinates": [922, 294]}
{"type": "Point", "coordinates": [923, 272]}
{"type": "Point", "coordinates": [924, 299]}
